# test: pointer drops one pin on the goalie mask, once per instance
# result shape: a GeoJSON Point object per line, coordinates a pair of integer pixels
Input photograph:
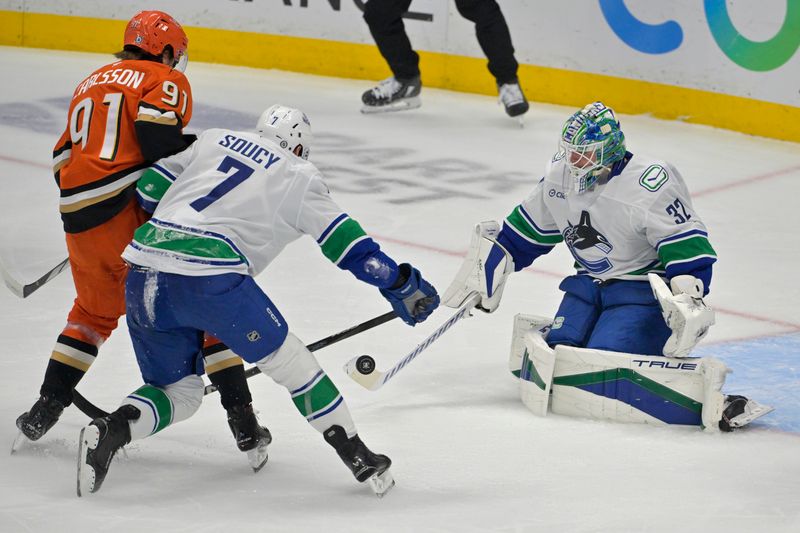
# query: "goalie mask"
{"type": "Point", "coordinates": [591, 142]}
{"type": "Point", "coordinates": [153, 31]}
{"type": "Point", "coordinates": [288, 127]}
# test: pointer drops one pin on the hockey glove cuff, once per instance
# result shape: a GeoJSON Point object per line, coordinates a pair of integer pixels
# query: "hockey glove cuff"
{"type": "Point", "coordinates": [412, 298]}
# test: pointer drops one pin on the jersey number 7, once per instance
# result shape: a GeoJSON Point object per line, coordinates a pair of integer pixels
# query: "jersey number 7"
{"type": "Point", "coordinates": [240, 173]}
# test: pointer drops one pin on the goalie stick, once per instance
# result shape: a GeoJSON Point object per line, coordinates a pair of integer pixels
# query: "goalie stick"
{"type": "Point", "coordinates": [25, 290]}
{"type": "Point", "coordinates": [362, 369]}
{"type": "Point", "coordinates": [92, 411]}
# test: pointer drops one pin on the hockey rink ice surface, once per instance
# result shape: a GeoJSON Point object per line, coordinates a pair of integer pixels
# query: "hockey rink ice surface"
{"type": "Point", "coordinates": [467, 455]}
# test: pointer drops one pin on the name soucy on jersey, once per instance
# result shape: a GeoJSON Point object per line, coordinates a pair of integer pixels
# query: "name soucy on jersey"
{"type": "Point", "coordinates": [640, 221]}
{"type": "Point", "coordinates": [231, 202]}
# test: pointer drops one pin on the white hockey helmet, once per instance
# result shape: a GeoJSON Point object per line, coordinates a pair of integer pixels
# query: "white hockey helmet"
{"type": "Point", "coordinates": [287, 126]}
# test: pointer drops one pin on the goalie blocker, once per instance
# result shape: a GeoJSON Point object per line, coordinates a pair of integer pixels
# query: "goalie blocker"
{"type": "Point", "coordinates": [623, 387]}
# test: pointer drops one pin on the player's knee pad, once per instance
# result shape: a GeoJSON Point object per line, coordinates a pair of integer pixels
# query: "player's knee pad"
{"type": "Point", "coordinates": [163, 406]}
{"type": "Point", "coordinates": [186, 395]}
{"type": "Point", "coordinates": [291, 365]}
{"type": "Point", "coordinates": [313, 393]}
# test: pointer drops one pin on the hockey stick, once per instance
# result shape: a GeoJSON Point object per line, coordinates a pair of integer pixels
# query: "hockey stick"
{"type": "Point", "coordinates": [362, 369]}
{"type": "Point", "coordinates": [86, 407]}
{"type": "Point", "coordinates": [92, 411]}
{"type": "Point", "coordinates": [327, 341]}
{"type": "Point", "coordinates": [25, 290]}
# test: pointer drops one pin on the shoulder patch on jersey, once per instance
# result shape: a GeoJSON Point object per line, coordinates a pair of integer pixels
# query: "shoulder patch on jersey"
{"type": "Point", "coordinates": [654, 177]}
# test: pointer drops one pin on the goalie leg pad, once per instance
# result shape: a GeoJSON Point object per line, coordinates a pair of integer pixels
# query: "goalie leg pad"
{"type": "Point", "coordinates": [627, 387]}
{"type": "Point", "coordinates": [714, 372]}
{"type": "Point", "coordinates": [522, 325]}
{"type": "Point", "coordinates": [536, 374]}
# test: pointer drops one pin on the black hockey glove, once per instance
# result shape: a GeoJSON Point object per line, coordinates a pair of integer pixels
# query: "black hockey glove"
{"type": "Point", "coordinates": [412, 298]}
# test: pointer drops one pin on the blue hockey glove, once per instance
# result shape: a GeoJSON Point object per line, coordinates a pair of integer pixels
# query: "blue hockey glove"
{"type": "Point", "coordinates": [412, 298]}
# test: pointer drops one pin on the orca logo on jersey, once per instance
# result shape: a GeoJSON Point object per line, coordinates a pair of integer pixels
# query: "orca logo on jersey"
{"type": "Point", "coordinates": [583, 236]}
{"type": "Point", "coordinates": [249, 149]}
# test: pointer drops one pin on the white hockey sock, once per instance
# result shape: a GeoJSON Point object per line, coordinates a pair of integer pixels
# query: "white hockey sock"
{"type": "Point", "coordinates": [162, 406]}
{"type": "Point", "coordinates": [313, 392]}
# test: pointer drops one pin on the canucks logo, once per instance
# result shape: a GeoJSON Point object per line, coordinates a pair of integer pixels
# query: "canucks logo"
{"type": "Point", "coordinates": [582, 236]}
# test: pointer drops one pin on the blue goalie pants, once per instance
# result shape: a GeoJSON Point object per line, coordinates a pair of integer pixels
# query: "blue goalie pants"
{"type": "Point", "coordinates": [616, 315]}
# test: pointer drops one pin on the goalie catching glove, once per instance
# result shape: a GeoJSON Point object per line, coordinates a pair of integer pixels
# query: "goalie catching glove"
{"type": "Point", "coordinates": [684, 310]}
{"type": "Point", "coordinates": [412, 298]}
{"type": "Point", "coordinates": [484, 270]}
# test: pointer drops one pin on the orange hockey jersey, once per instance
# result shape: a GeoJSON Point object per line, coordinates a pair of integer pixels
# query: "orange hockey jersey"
{"type": "Point", "coordinates": [122, 117]}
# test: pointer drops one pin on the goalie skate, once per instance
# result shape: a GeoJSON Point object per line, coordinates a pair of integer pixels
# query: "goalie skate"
{"type": "Point", "coordinates": [740, 411]}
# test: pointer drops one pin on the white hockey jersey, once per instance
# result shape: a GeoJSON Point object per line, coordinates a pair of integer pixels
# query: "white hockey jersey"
{"type": "Point", "coordinates": [230, 203]}
{"type": "Point", "coordinates": [642, 220]}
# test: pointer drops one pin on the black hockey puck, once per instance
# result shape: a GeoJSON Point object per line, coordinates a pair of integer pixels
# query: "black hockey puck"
{"type": "Point", "coordinates": [365, 365]}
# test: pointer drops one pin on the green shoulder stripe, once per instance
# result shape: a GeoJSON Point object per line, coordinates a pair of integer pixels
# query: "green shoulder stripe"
{"type": "Point", "coordinates": [521, 224]}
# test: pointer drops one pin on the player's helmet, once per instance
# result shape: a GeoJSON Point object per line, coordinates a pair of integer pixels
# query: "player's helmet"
{"type": "Point", "coordinates": [591, 141]}
{"type": "Point", "coordinates": [152, 31]}
{"type": "Point", "coordinates": [287, 126]}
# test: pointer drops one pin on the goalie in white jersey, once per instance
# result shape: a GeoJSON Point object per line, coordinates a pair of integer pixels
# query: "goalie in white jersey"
{"type": "Point", "coordinates": [226, 207]}
{"type": "Point", "coordinates": [629, 223]}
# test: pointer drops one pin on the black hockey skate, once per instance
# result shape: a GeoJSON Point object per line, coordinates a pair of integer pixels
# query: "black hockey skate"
{"type": "Point", "coordinates": [513, 99]}
{"type": "Point", "coordinates": [40, 418]}
{"type": "Point", "coordinates": [98, 443]}
{"type": "Point", "coordinates": [392, 94]}
{"type": "Point", "coordinates": [740, 411]}
{"type": "Point", "coordinates": [251, 437]}
{"type": "Point", "coordinates": [365, 465]}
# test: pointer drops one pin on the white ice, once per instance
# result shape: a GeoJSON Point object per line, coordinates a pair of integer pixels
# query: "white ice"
{"type": "Point", "coordinates": [467, 454]}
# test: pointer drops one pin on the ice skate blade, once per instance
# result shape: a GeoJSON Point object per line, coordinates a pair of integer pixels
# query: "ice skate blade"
{"type": "Point", "coordinates": [258, 456]}
{"type": "Point", "coordinates": [381, 483]}
{"type": "Point", "coordinates": [755, 410]}
{"type": "Point", "coordinates": [17, 444]}
{"type": "Point", "coordinates": [399, 105]}
{"type": "Point", "coordinates": [90, 436]}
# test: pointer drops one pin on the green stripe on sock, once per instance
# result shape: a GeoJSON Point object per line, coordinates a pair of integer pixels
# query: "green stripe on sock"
{"type": "Point", "coordinates": [161, 402]}
{"type": "Point", "coordinates": [591, 378]}
{"type": "Point", "coordinates": [317, 398]}
{"type": "Point", "coordinates": [520, 223]}
{"type": "Point", "coordinates": [186, 243]}
{"type": "Point", "coordinates": [340, 238]}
